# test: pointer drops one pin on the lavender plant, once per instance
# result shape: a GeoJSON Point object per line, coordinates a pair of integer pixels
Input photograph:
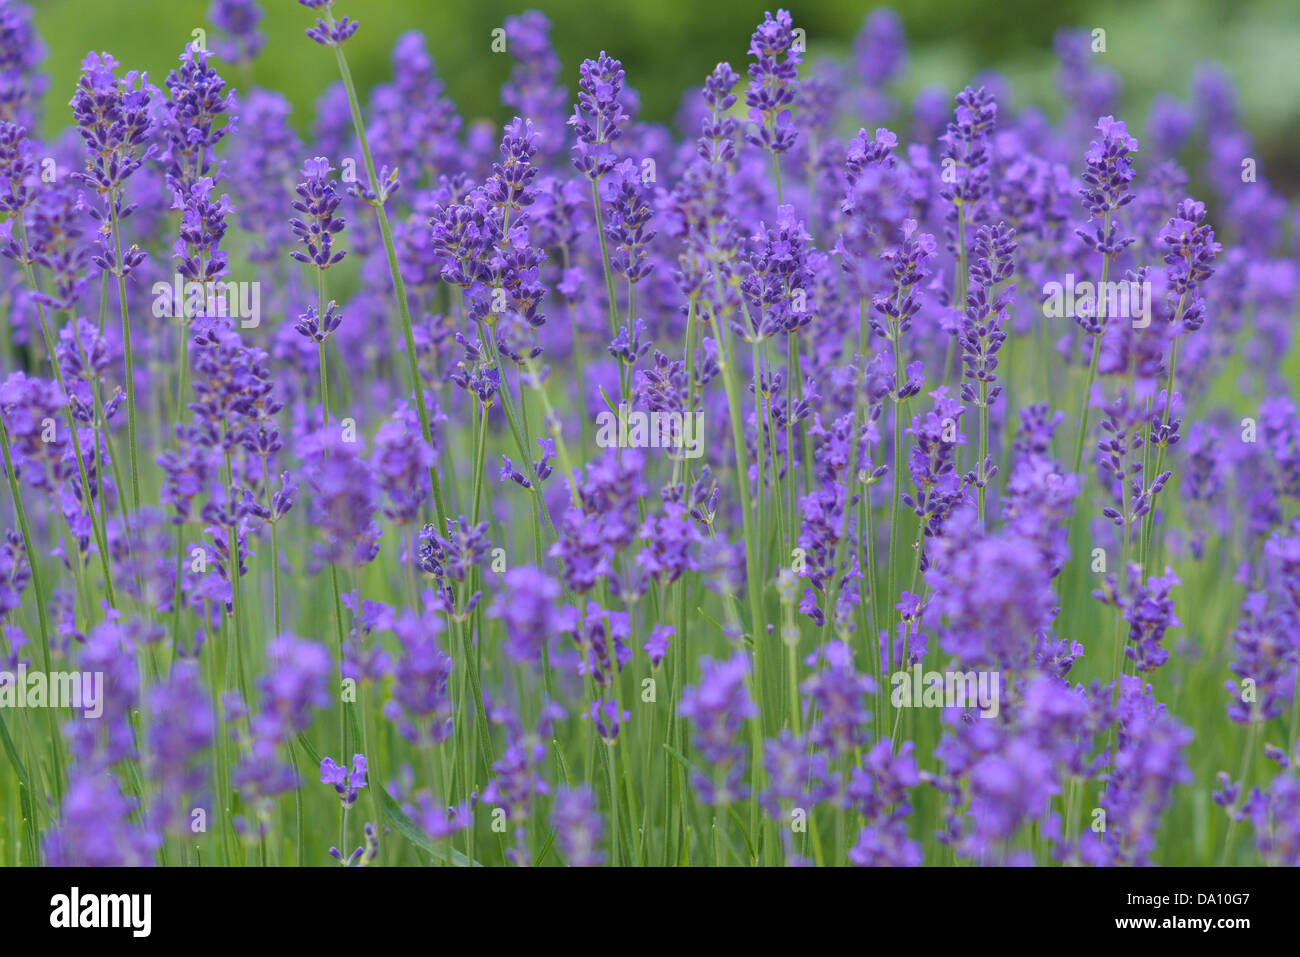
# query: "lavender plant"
{"type": "Point", "coordinates": [926, 494]}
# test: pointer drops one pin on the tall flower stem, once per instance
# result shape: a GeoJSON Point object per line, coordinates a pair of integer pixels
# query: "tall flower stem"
{"type": "Point", "coordinates": [604, 263]}
{"type": "Point", "coordinates": [127, 352]}
{"type": "Point", "coordinates": [97, 521]}
{"type": "Point", "coordinates": [275, 549]}
{"type": "Point", "coordinates": [895, 532]}
{"type": "Point", "coordinates": [395, 272]}
{"type": "Point", "coordinates": [1087, 391]}
{"type": "Point", "coordinates": [1148, 520]}
{"type": "Point", "coordinates": [1096, 352]}
{"type": "Point", "coordinates": [33, 563]}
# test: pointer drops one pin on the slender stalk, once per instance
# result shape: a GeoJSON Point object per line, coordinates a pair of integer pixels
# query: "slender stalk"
{"type": "Point", "coordinates": [394, 271]}
{"type": "Point", "coordinates": [127, 352]}
{"type": "Point", "coordinates": [33, 564]}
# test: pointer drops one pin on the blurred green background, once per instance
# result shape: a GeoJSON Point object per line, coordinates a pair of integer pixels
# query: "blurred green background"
{"type": "Point", "coordinates": [668, 45]}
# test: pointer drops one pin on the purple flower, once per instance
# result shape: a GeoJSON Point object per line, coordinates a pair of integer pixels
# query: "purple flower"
{"type": "Point", "coordinates": [318, 201]}
{"type": "Point", "coordinates": [578, 826]}
{"type": "Point", "coordinates": [607, 717]}
{"type": "Point", "coordinates": [656, 648]}
{"type": "Point", "coordinates": [598, 115]}
{"type": "Point", "coordinates": [347, 783]}
{"type": "Point", "coordinates": [717, 707]}
{"type": "Point", "coordinates": [526, 607]}
{"type": "Point", "coordinates": [401, 460]}
{"type": "Point", "coordinates": [329, 32]}
{"type": "Point", "coordinates": [237, 20]}
{"type": "Point", "coordinates": [197, 100]}
{"type": "Point", "coordinates": [344, 497]}
{"type": "Point", "coordinates": [773, 83]}
{"type": "Point", "coordinates": [420, 705]}
{"type": "Point", "coordinates": [96, 827]}
{"type": "Point", "coordinates": [1105, 185]}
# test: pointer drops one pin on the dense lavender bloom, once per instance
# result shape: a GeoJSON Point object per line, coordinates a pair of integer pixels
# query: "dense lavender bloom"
{"type": "Point", "coordinates": [778, 285]}
{"type": "Point", "coordinates": [329, 32]}
{"type": "Point", "coordinates": [263, 173]}
{"type": "Point", "coordinates": [1149, 611]}
{"type": "Point", "coordinates": [880, 48]}
{"type": "Point", "coordinates": [1105, 185]}
{"type": "Point", "coordinates": [295, 683]}
{"type": "Point", "coordinates": [344, 497]}
{"type": "Point", "coordinates": [592, 533]}
{"type": "Point", "coordinates": [672, 538]}
{"type": "Point", "coordinates": [109, 649]}
{"type": "Point", "coordinates": [1148, 765]}
{"type": "Point", "coordinates": [1275, 816]}
{"type": "Point", "coordinates": [838, 694]}
{"type": "Point", "coordinates": [718, 706]}
{"type": "Point", "coordinates": [931, 462]}
{"type": "Point", "coordinates": [992, 591]}
{"type": "Point", "coordinates": [231, 383]}
{"type": "Point", "coordinates": [200, 259]}
{"type": "Point", "coordinates": [578, 826]}
{"type": "Point", "coordinates": [885, 845]}
{"type": "Point", "coordinates": [17, 169]}
{"type": "Point", "coordinates": [197, 100]}
{"type": "Point", "coordinates": [908, 263]}
{"type": "Point", "coordinates": [241, 41]}
{"type": "Point", "coordinates": [30, 407]}
{"type": "Point", "coordinates": [450, 558]}
{"type": "Point", "coordinates": [347, 782]}
{"type": "Point", "coordinates": [96, 828]}
{"type": "Point", "coordinates": [1266, 646]}
{"type": "Point", "coordinates": [797, 776]}
{"type": "Point", "coordinates": [180, 733]}
{"type": "Point", "coordinates": [966, 161]}
{"type": "Point", "coordinates": [526, 607]}
{"type": "Point", "coordinates": [318, 201]}
{"type": "Point", "coordinates": [401, 461]}
{"type": "Point", "coordinates": [420, 705]}
{"type": "Point", "coordinates": [534, 89]}
{"type": "Point", "coordinates": [1034, 436]}
{"type": "Point", "coordinates": [412, 124]}
{"type": "Point", "coordinates": [986, 312]}
{"type": "Point", "coordinates": [21, 52]}
{"type": "Point", "coordinates": [773, 83]}
{"type": "Point", "coordinates": [630, 212]}
{"type": "Point", "coordinates": [1036, 505]}
{"type": "Point", "coordinates": [723, 303]}
{"type": "Point", "coordinates": [58, 226]}
{"type": "Point", "coordinates": [601, 638]}
{"type": "Point", "coordinates": [1190, 251]}
{"type": "Point", "coordinates": [114, 119]}
{"type": "Point", "coordinates": [598, 115]}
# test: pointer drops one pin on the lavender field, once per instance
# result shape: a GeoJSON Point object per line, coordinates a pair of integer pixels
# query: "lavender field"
{"type": "Point", "coordinates": [829, 477]}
